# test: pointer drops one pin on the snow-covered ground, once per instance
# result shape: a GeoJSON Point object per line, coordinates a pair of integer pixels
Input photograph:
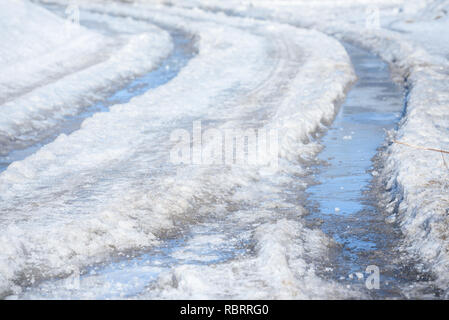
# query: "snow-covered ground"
{"type": "Point", "coordinates": [109, 191]}
{"type": "Point", "coordinates": [109, 186]}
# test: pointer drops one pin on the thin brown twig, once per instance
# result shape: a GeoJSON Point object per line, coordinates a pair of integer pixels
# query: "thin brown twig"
{"type": "Point", "coordinates": [444, 161]}
{"type": "Point", "coordinates": [442, 152]}
{"type": "Point", "coordinates": [420, 147]}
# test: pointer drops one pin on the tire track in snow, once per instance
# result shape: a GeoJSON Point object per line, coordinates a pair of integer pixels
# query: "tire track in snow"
{"type": "Point", "coordinates": [51, 197]}
{"type": "Point", "coordinates": [345, 204]}
{"type": "Point", "coordinates": [276, 240]}
{"type": "Point", "coordinates": [182, 52]}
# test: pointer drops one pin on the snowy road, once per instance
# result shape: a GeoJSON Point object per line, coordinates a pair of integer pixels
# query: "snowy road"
{"type": "Point", "coordinates": [92, 204]}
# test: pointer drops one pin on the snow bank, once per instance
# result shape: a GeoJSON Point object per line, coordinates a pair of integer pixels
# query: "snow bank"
{"type": "Point", "coordinates": [38, 47]}
{"type": "Point", "coordinates": [58, 68]}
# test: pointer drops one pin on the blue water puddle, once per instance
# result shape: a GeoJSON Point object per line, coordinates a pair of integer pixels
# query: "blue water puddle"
{"type": "Point", "coordinates": [355, 136]}
{"type": "Point", "coordinates": [341, 199]}
{"type": "Point", "coordinates": [169, 68]}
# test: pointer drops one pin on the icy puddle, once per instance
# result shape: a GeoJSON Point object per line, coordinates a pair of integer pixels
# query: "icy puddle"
{"type": "Point", "coordinates": [344, 202]}
{"type": "Point", "coordinates": [133, 275]}
{"type": "Point", "coordinates": [182, 52]}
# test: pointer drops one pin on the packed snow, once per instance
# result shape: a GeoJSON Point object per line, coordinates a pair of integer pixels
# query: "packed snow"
{"type": "Point", "coordinates": [109, 192]}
